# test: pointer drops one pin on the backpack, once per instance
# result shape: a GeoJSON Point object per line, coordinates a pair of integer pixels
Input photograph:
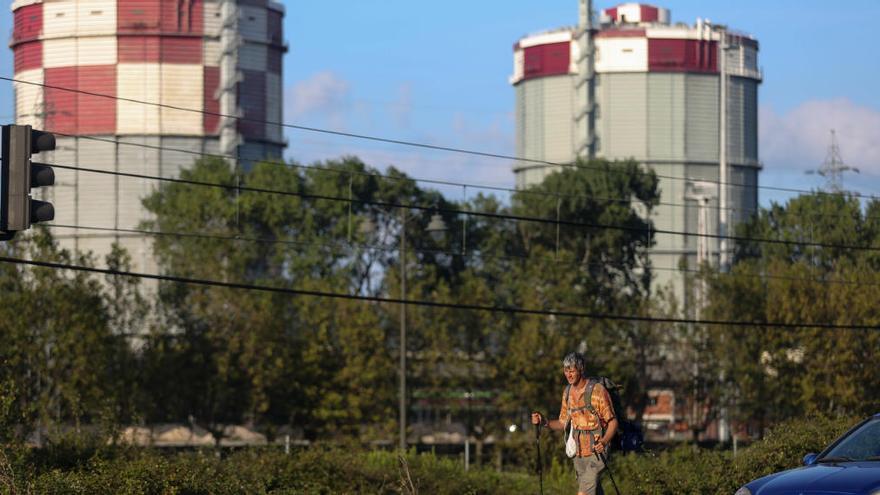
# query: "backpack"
{"type": "Point", "coordinates": [629, 436]}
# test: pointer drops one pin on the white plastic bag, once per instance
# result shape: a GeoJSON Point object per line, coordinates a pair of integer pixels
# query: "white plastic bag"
{"type": "Point", "coordinates": [571, 445]}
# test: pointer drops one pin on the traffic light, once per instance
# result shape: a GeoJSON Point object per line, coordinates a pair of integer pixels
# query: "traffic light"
{"type": "Point", "coordinates": [18, 175]}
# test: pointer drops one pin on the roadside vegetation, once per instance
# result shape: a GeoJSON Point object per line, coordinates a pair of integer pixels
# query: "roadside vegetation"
{"type": "Point", "coordinates": [85, 352]}
{"type": "Point", "coordinates": [78, 466]}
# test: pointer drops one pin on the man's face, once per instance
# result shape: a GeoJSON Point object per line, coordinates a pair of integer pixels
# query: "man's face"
{"type": "Point", "coordinates": [571, 374]}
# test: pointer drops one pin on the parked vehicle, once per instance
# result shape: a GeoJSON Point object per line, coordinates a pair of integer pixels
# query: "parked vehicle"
{"type": "Point", "coordinates": [850, 465]}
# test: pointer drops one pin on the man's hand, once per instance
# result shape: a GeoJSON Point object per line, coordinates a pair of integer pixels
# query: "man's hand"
{"type": "Point", "coordinates": [602, 443]}
{"type": "Point", "coordinates": [537, 418]}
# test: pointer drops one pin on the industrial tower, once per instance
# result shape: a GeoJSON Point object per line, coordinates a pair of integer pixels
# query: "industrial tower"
{"type": "Point", "coordinates": [215, 57]}
{"type": "Point", "coordinates": [682, 100]}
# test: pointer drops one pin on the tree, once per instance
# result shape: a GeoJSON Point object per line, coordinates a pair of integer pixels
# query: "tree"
{"type": "Point", "coordinates": [247, 356]}
{"type": "Point", "coordinates": [61, 351]}
{"type": "Point", "coordinates": [222, 353]}
{"type": "Point", "coordinates": [775, 373]}
{"type": "Point", "coordinates": [590, 268]}
{"type": "Point", "coordinates": [236, 349]}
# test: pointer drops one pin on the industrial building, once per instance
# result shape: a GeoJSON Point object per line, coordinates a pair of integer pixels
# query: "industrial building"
{"type": "Point", "coordinates": [186, 57]}
{"type": "Point", "coordinates": [635, 85]}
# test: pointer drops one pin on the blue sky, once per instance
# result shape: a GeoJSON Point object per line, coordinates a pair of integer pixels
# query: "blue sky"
{"type": "Point", "coordinates": [437, 72]}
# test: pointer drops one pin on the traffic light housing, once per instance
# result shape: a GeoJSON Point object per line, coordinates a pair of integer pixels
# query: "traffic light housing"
{"type": "Point", "coordinates": [18, 175]}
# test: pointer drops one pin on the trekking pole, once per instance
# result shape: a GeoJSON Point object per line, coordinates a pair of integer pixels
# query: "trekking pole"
{"type": "Point", "coordinates": [608, 470]}
{"type": "Point", "coordinates": [538, 462]}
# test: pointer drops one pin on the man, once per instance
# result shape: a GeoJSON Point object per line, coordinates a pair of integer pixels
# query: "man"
{"type": "Point", "coordinates": [593, 426]}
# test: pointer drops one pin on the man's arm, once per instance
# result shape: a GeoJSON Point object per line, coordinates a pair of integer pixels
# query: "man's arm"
{"type": "Point", "coordinates": [605, 410]}
{"type": "Point", "coordinates": [553, 424]}
{"type": "Point", "coordinates": [608, 437]}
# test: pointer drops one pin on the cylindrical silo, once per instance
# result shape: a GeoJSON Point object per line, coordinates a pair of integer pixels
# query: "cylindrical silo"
{"type": "Point", "coordinates": [544, 79]}
{"type": "Point", "coordinates": [170, 52]}
{"type": "Point", "coordinates": [657, 90]}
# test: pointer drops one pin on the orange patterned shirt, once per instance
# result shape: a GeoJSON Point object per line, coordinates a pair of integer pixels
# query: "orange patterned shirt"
{"type": "Point", "coordinates": [585, 420]}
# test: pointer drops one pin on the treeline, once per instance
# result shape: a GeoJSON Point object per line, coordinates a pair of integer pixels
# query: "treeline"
{"type": "Point", "coordinates": [88, 350]}
{"type": "Point", "coordinates": [822, 269]}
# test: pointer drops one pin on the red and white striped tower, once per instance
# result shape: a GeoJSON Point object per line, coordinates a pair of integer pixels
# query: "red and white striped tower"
{"type": "Point", "coordinates": [166, 52]}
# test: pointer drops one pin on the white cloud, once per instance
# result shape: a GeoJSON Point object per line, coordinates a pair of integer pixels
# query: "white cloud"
{"type": "Point", "coordinates": [324, 96]}
{"type": "Point", "coordinates": [798, 140]}
{"type": "Point", "coordinates": [325, 100]}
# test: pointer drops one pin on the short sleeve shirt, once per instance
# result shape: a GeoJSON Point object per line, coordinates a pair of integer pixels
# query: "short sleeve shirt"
{"type": "Point", "coordinates": [584, 419]}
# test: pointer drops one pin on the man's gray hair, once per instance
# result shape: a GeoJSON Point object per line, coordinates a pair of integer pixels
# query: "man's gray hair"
{"type": "Point", "coordinates": [575, 360]}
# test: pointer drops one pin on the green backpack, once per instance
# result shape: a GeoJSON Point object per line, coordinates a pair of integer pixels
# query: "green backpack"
{"type": "Point", "coordinates": [629, 436]}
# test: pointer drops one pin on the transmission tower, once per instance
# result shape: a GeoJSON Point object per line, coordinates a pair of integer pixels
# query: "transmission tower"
{"type": "Point", "coordinates": [833, 167]}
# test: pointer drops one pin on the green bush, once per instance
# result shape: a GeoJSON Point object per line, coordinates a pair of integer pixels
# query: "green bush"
{"type": "Point", "coordinates": [786, 444]}
{"type": "Point", "coordinates": [87, 469]}
{"type": "Point", "coordinates": [686, 470]}
{"type": "Point", "coordinates": [316, 470]}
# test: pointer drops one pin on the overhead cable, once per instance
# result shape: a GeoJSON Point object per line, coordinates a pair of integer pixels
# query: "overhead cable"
{"type": "Point", "coordinates": [528, 191]}
{"type": "Point", "coordinates": [401, 142]}
{"type": "Point", "coordinates": [452, 211]}
{"type": "Point", "coordinates": [457, 254]}
{"type": "Point", "coordinates": [435, 304]}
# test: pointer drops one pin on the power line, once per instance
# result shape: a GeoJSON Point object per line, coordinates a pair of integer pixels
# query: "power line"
{"type": "Point", "coordinates": [811, 217]}
{"type": "Point", "coordinates": [468, 254]}
{"type": "Point", "coordinates": [432, 304]}
{"type": "Point", "coordinates": [498, 216]}
{"type": "Point", "coordinates": [530, 191]}
{"type": "Point", "coordinates": [400, 142]}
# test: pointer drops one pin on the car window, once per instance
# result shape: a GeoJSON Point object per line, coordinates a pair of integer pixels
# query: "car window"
{"type": "Point", "coordinates": [861, 444]}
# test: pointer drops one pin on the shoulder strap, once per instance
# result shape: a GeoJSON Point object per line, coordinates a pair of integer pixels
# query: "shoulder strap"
{"type": "Point", "coordinates": [568, 409]}
{"type": "Point", "coordinates": [588, 396]}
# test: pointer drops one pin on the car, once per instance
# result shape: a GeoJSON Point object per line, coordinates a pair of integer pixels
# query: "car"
{"type": "Point", "coordinates": [850, 465]}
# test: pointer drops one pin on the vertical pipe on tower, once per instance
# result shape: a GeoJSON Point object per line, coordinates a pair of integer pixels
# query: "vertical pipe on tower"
{"type": "Point", "coordinates": [586, 69]}
{"type": "Point", "coordinates": [229, 41]}
{"type": "Point", "coordinates": [723, 173]}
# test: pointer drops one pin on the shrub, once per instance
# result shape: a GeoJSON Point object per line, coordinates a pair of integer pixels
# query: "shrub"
{"type": "Point", "coordinates": [686, 470]}
{"type": "Point", "coordinates": [266, 471]}
{"type": "Point", "coordinates": [85, 469]}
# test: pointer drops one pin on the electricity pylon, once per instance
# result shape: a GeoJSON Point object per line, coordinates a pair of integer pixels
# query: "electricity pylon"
{"type": "Point", "coordinates": [832, 168]}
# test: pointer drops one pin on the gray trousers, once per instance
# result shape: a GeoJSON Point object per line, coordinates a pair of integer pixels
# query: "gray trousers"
{"type": "Point", "coordinates": [587, 470]}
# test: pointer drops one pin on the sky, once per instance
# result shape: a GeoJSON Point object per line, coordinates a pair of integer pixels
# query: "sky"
{"type": "Point", "coordinates": [437, 72]}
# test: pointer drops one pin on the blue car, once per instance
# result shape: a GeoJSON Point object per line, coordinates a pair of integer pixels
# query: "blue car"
{"type": "Point", "coordinates": [850, 465]}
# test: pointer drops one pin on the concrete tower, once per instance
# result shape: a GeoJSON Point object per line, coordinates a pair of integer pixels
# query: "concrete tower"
{"type": "Point", "coordinates": [660, 97]}
{"type": "Point", "coordinates": [218, 56]}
